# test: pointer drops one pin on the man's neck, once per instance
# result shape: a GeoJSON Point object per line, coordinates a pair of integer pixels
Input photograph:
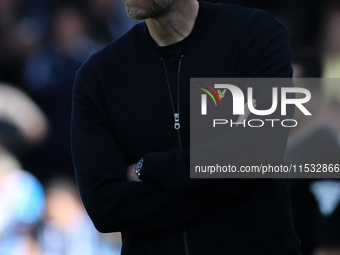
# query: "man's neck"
{"type": "Point", "coordinates": [175, 25]}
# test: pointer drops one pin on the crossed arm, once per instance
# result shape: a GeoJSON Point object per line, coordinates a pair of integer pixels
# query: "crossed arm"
{"type": "Point", "coordinates": [131, 169]}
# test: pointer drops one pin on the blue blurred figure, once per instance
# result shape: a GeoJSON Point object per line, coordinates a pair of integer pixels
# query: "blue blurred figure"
{"type": "Point", "coordinates": [21, 207]}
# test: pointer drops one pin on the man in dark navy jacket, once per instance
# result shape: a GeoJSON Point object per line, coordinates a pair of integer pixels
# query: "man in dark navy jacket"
{"type": "Point", "coordinates": [125, 98]}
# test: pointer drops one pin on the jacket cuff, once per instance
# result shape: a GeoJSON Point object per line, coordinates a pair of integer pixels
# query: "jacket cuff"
{"type": "Point", "coordinates": [153, 169]}
{"type": "Point", "coordinates": [162, 168]}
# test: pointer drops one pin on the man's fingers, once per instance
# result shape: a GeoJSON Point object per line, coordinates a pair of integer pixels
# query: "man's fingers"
{"type": "Point", "coordinates": [243, 117]}
{"type": "Point", "coordinates": [131, 173]}
{"type": "Point", "coordinates": [246, 109]}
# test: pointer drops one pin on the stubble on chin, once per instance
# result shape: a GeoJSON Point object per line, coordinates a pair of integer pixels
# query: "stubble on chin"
{"type": "Point", "coordinates": [154, 9]}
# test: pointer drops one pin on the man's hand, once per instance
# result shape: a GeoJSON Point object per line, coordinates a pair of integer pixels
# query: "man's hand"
{"type": "Point", "coordinates": [241, 118]}
{"type": "Point", "coordinates": [131, 175]}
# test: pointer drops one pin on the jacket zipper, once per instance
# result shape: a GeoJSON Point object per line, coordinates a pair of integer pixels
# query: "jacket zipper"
{"type": "Point", "coordinates": [177, 126]}
{"type": "Point", "coordinates": [175, 111]}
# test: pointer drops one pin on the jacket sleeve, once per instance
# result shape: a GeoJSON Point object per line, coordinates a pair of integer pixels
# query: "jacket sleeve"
{"type": "Point", "coordinates": [113, 203]}
{"type": "Point", "coordinates": [267, 55]}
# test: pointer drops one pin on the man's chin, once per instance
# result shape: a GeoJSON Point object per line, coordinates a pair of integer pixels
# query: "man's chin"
{"type": "Point", "coordinates": [137, 13]}
{"type": "Point", "coordinates": [142, 11]}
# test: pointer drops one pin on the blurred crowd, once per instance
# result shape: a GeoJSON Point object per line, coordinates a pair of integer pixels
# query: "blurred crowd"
{"type": "Point", "coordinates": [43, 43]}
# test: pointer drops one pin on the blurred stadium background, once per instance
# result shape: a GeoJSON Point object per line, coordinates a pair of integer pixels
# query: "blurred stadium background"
{"type": "Point", "coordinates": [44, 42]}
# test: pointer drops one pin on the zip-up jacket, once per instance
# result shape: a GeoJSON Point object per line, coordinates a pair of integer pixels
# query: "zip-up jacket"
{"type": "Point", "coordinates": [122, 112]}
